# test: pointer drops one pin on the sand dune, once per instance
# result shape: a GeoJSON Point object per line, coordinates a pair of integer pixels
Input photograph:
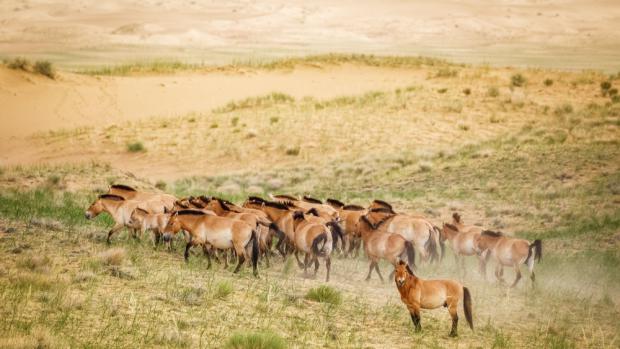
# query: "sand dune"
{"type": "Point", "coordinates": [33, 103]}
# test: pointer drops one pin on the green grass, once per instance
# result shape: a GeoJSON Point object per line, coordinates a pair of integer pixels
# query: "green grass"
{"type": "Point", "coordinates": [136, 147]}
{"type": "Point", "coordinates": [44, 68]}
{"type": "Point", "coordinates": [324, 294]}
{"type": "Point", "coordinates": [255, 340]}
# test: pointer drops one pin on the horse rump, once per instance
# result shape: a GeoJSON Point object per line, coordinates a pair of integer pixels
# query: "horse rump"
{"type": "Point", "coordinates": [319, 240]}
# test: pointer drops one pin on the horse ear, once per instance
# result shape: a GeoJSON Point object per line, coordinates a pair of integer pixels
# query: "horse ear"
{"type": "Point", "coordinates": [401, 262]}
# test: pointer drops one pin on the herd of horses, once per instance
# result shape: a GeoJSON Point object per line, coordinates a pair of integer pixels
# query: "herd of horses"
{"type": "Point", "coordinates": [316, 229]}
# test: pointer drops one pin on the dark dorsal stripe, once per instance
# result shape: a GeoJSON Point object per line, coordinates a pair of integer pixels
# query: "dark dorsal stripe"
{"type": "Point", "coordinates": [495, 234]}
{"type": "Point", "coordinates": [382, 203]}
{"type": "Point", "coordinates": [452, 227]}
{"type": "Point", "coordinates": [313, 212]}
{"type": "Point", "coordinates": [285, 205]}
{"type": "Point", "coordinates": [112, 197]}
{"type": "Point", "coordinates": [312, 200]}
{"type": "Point", "coordinates": [353, 208]}
{"type": "Point", "coordinates": [122, 187]}
{"type": "Point", "coordinates": [287, 197]}
{"type": "Point", "coordinates": [298, 215]}
{"type": "Point", "coordinates": [190, 212]}
{"type": "Point", "coordinates": [335, 202]}
{"type": "Point", "coordinates": [142, 210]}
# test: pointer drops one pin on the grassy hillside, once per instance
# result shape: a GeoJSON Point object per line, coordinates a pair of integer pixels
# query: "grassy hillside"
{"type": "Point", "coordinates": [504, 147]}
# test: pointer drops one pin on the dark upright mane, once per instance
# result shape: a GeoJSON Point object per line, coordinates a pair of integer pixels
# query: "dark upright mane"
{"type": "Point", "coordinates": [284, 205]}
{"type": "Point", "coordinates": [382, 210]}
{"type": "Point", "coordinates": [353, 208]}
{"type": "Point", "coordinates": [452, 227]}
{"type": "Point", "coordinates": [374, 226]}
{"type": "Point", "coordinates": [456, 217]}
{"type": "Point", "coordinates": [287, 197]}
{"type": "Point", "coordinates": [298, 215]}
{"type": "Point", "coordinates": [495, 234]}
{"type": "Point", "coordinates": [382, 203]}
{"type": "Point", "coordinates": [335, 203]}
{"type": "Point", "coordinates": [122, 187]}
{"type": "Point", "coordinates": [312, 200]}
{"type": "Point", "coordinates": [111, 197]}
{"type": "Point", "coordinates": [256, 199]}
{"type": "Point", "coordinates": [190, 213]}
{"type": "Point", "coordinates": [313, 212]}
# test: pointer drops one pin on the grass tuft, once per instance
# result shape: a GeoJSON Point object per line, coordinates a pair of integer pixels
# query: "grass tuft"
{"type": "Point", "coordinates": [45, 68]}
{"type": "Point", "coordinates": [223, 290]}
{"type": "Point", "coordinates": [136, 147]}
{"type": "Point", "coordinates": [114, 256]}
{"type": "Point", "coordinates": [517, 80]}
{"type": "Point", "coordinates": [255, 340]}
{"type": "Point", "coordinates": [324, 294]}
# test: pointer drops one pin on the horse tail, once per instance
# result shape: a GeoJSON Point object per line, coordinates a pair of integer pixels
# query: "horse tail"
{"type": "Point", "coordinates": [276, 230]}
{"type": "Point", "coordinates": [431, 246]}
{"type": "Point", "coordinates": [255, 251]}
{"type": "Point", "coordinates": [467, 307]}
{"type": "Point", "coordinates": [410, 253]}
{"type": "Point", "coordinates": [319, 240]}
{"type": "Point", "coordinates": [537, 255]}
{"type": "Point", "coordinates": [336, 234]}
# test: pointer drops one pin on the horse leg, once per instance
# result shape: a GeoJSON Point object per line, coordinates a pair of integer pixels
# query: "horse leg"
{"type": "Point", "coordinates": [518, 277]}
{"type": "Point", "coordinates": [306, 262]}
{"type": "Point", "coordinates": [415, 317]}
{"type": "Point", "coordinates": [455, 318]}
{"type": "Point", "coordinates": [186, 254]}
{"type": "Point", "coordinates": [499, 271]}
{"type": "Point", "coordinates": [205, 251]}
{"type": "Point", "coordinates": [298, 260]}
{"type": "Point", "coordinates": [114, 229]}
{"type": "Point", "coordinates": [370, 270]}
{"type": "Point", "coordinates": [316, 265]}
{"type": "Point", "coordinates": [328, 266]}
{"type": "Point", "coordinates": [241, 260]}
{"type": "Point", "coordinates": [378, 271]}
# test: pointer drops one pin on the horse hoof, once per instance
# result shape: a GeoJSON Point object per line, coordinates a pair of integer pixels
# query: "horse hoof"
{"type": "Point", "coordinates": [453, 335]}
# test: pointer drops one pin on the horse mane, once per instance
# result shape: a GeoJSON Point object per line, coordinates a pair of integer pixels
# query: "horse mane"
{"type": "Point", "coordinates": [204, 198]}
{"type": "Point", "coordinates": [335, 202]}
{"type": "Point", "coordinates": [256, 199]}
{"type": "Point", "coordinates": [112, 197]}
{"type": "Point", "coordinates": [452, 227]}
{"type": "Point", "coordinates": [284, 205]}
{"type": "Point", "coordinates": [382, 210]}
{"type": "Point", "coordinates": [181, 204]}
{"type": "Point", "coordinates": [382, 203]}
{"type": "Point", "coordinates": [494, 234]}
{"type": "Point", "coordinates": [456, 217]}
{"type": "Point", "coordinates": [224, 203]}
{"type": "Point", "coordinates": [142, 210]}
{"type": "Point", "coordinates": [312, 200]}
{"type": "Point", "coordinates": [374, 226]}
{"type": "Point", "coordinates": [191, 212]}
{"type": "Point", "coordinates": [313, 212]}
{"type": "Point", "coordinates": [287, 197]}
{"type": "Point", "coordinates": [298, 215]}
{"type": "Point", "coordinates": [122, 187]}
{"type": "Point", "coordinates": [353, 208]}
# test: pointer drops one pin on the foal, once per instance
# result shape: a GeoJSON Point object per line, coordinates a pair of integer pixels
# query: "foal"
{"type": "Point", "coordinates": [418, 294]}
{"type": "Point", "coordinates": [155, 222]}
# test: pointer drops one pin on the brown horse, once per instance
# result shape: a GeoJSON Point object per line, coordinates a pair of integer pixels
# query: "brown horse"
{"type": "Point", "coordinates": [509, 252]}
{"type": "Point", "coordinates": [463, 244]}
{"type": "Point", "coordinates": [417, 293]}
{"type": "Point", "coordinates": [219, 232]}
{"type": "Point", "coordinates": [313, 238]}
{"type": "Point", "coordinates": [265, 228]}
{"type": "Point", "coordinates": [155, 222]}
{"type": "Point", "coordinates": [419, 231]}
{"type": "Point", "coordinates": [160, 203]}
{"type": "Point", "coordinates": [349, 218]}
{"type": "Point", "coordinates": [280, 213]}
{"type": "Point", "coordinates": [379, 244]}
{"type": "Point", "coordinates": [118, 208]}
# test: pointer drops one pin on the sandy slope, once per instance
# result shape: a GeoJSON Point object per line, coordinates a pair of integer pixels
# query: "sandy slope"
{"type": "Point", "coordinates": [32, 103]}
{"type": "Point", "coordinates": [516, 32]}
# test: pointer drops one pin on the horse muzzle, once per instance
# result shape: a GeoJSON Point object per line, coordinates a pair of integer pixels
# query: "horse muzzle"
{"type": "Point", "coordinates": [400, 283]}
{"type": "Point", "coordinates": [167, 237]}
{"type": "Point", "coordinates": [88, 215]}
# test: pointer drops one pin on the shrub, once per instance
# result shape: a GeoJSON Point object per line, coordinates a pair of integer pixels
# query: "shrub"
{"type": "Point", "coordinates": [294, 151]}
{"type": "Point", "coordinates": [44, 68]}
{"type": "Point", "coordinates": [113, 256]}
{"type": "Point", "coordinates": [493, 91]}
{"type": "Point", "coordinates": [548, 82]}
{"type": "Point", "coordinates": [612, 92]}
{"type": "Point", "coordinates": [605, 86]}
{"type": "Point", "coordinates": [274, 119]}
{"type": "Point", "coordinates": [517, 80]}
{"type": "Point", "coordinates": [565, 108]}
{"type": "Point", "coordinates": [324, 294]}
{"type": "Point", "coordinates": [135, 147]}
{"type": "Point", "coordinates": [255, 340]}
{"type": "Point", "coordinates": [442, 90]}
{"type": "Point", "coordinates": [18, 63]}
{"type": "Point", "coordinates": [467, 91]}
{"type": "Point", "coordinates": [161, 185]}
{"type": "Point", "coordinates": [213, 125]}
{"type": "Point", "coordinates": [234, 121]}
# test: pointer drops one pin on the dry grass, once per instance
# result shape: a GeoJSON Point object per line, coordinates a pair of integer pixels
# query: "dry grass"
{"type": "Point", "coordinates": [113, 256]}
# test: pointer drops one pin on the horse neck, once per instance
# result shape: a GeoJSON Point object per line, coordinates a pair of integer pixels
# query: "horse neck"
{"type": "Point", "coordinates": [111, 207]}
